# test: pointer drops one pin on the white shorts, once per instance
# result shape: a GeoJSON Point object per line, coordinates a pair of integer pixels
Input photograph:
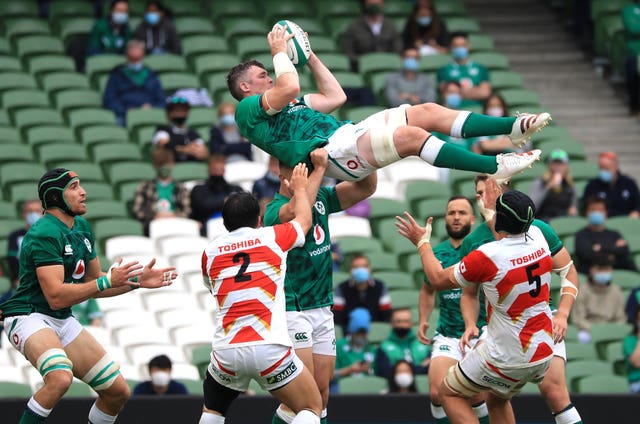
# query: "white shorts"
{"type": "Point", "coordinates": [344, 162]}
{"type": "Point", "coordinates": [313, 328]}
{"type": "Point", "coordinates": [20, 327]}
{"type": "Point", "coordinates": [450, 346]}
{"type": "Point", "coordinates": [272, 366]}
{"type": "Point", "coordinates": [560, 350]}
{"type": "Point", "coordinates": [503, 382]}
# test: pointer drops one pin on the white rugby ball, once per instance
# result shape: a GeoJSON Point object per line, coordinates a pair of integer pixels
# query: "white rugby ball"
{"type": "Point", "coordinates": [298, 48]}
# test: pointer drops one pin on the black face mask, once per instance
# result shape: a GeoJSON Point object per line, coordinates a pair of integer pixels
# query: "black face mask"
{"type": "Point", "coordinates": [179, 120]}
{"type": "Point", "coordinates": [401, 332]}
{"type": "Point", "coordinates": [373, 9]}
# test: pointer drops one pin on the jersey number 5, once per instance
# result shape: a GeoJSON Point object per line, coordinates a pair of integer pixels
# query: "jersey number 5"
{"type": "Point", "coordinates": [241, 276]}
{"type": "Point", "coordinates": [533, 279]}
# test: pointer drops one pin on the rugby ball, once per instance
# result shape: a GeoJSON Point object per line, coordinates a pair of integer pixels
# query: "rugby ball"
{"type": "Point", "coordinates": [298, 48]}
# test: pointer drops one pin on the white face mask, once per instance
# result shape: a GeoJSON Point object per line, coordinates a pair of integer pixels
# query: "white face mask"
{"type": "Point", "coordinates": [160, 378]}
{"type": "Point", "coordinates": [403, 379]}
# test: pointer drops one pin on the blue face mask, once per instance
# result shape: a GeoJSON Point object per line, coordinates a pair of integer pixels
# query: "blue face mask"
{"type": "Point", "coordinates": [410, 64]}
{"type": "Point", "coordinates": [120, 18]}
{"type": "Point", "coordinates": [453, 100]}
{"type": "Point", "coordinates": [32, 217]}
{"type": "Point", "coordinates": [602, 278]}
{"type": "Point", "coordinates": [227, 120]}
{"type": "Point", "coordinates": [423, 20]}
{"type": "Point", "coordinates": [596, 218]}
{"type": "Point", "coordinates": [360, 274]}
{"type": "Point", "coordinates": [460, 52]}
{"type": "Point", "coordinates": [606, 176]}
{"type": "Point", "coordinates": [136, 67]}
{"type": "Point", "coordinates": [152, 18]}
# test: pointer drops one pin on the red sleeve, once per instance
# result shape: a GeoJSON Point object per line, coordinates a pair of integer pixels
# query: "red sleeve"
{"type": "Point", "coordinates": [287, 234]}
{"type": "Point", "coordinates": [476, 267]}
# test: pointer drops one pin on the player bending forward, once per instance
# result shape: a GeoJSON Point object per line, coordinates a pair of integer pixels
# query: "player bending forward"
{"type": "Point", "coordinates": [275, 118]}
{"type": "Point", "coordinates": [515, 273]}
{"type": "Point", "coordinates": [245, 270]}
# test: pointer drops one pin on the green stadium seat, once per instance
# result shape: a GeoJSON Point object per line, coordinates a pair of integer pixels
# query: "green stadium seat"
{"type": "Point", "coordinates": [339, 277]}
{"type": "Point", "coordinates": [237, 8]}
{"type": "Point", "coordinates": [101, 64]}
{"type": "Point", "coordinates": [576, 370]}
{"type": "Point", "coordinates": [32, 117]}
{"type": "Point", "coordinates": [73, 29]}
{"type": "Point", "coordinates": [69, 8]}
{"type": "Point", "coordinates": [193, 25]}
{"type": "Point", "coordinates": [105, 209]}
{"type": "Point", "coordinates": [22, 27]}
{"type": "Point", "coordinates": [379, 261]}
{"type": "Point", "coordinates": [9, 225]}
{"type": "Point", "coordinates": [337, 62]}
{"type": "Point", "coordinates": [337, 25]}
{"type": "Point", "coordinates": [615, 355]}
{"type": "Point", "coordinates": [20, 192]}
{"type": "Point", "coordinates": [33, 45]}
{"type": "Point", "coordinates": [624, 278]}
{"type": "Point", "coordinates": [431, 207]}
{"type": "Point", "coordinates": [492, 60]}
{"type": "Point", "coordinates": [395, 280]}
{"type": "Point", "coordinates": [255, 387]}
{"type": "Point", "coordinates": [195, 45]}
{"type": "Point", "coordinates": [382, 208]}
{"type": "Point", "coordinates": [137, 118]}
{"type": "Point", "coordinates": [574, 149]}
{"type": "Point", "coordinates": [163, 63]}
{"type": "Point", "coordinates": [314, 28]}
{"type": "Point", "coordinates": [248, 46]}
{"type": "Point", "coordinates": [10, 64]}
{"type": "Point", "coordinates": [623, 224]}
{"type": "Point", "coordinates": [126, 191]}
{"type": "Point", "coordinates": [501, 80]}
{"type": "Point", "coordinates": [413, 266]}
{"type": "Point", "coordinates": [426, 189]}
{"type": "Point", "coordinates": [353, 244]}
{"type": "Point", "coordinates": [78, 389]}
{"type": "Point", "coordinates": [88, 172]}
{"type": "Point", "coordinates": [106, 154]}
{"type": "Point", "coordinates": [68, 100]}
{"type": "Point", "coordinates": [17, 153]}
{"type": "Point", "coordinates": [278, 10]}
{"type": "Point", "coordinates": [10, 389]}
{"type": "Point", "coordinates": [604, 333]}
{"type": "Point", "coordinates": [5, 48]}
{"type": "Point", "coordinates": [185, 7]}
{"type": "Point", "coordinates": [49, 134]}
{"type": "Point", "coordinates": [107, 228]}
{"type": "Point", "coordinates": [200, 357]}
{"type": "Point", "coordinates": [81, 118]}
{"type": "Point", "coordinates": [520, 98]}
{"type": "Point", "coordinates": [173, 81]}
{"type": "Point", "coordinates": [371, 63]}
{"type": "Point", "coordinates": [580, 351]}
{"type": "Point", "coordinates": [97, 190]}
{"type": "Point", "coordinates": [400, 9]}
{"type": "Point", "coordinates": [44, 64]}
{"type": "Point", "coordinates": [120, 173]}
{"type": "Point", "coordinates": [13, 80]}
{"type": "Point", "coordinates": [16, 172]}
{"type": "Point", "coordinates": [9, 135]}
{"type": "Point", "coordinates": [583, 170]}
{"type": "Point", "coordinates": [361, 385]}
{"type": "Point", "coordinates": [433, 62]}
{"type": "Point", "coordinates": [606, 8]}
{"type": "Point", "coordinates": [13, 100]}
{"type": "Point", "coordinates": [358, 114]}
{"type": "Point", "coordinates": [379, 332]}
{"type": "Point", "coordinates": [468, 25]}
{"type": "Point", "coordinates": [568, 225]}
{"type": "Point", "coordinates": [15, 9]}
{"type": "Point", "coordinates": [201, 116]}
{"type": "Point", "coordinates": [481, 43]}
{"type": "Point", "coordinates": [603, 384]}
{"type": "Point", "coordinates": [404, 298]}
{"type": "Point", "coordinates": [94, 135]}
{"type": "Point", "coordinates": [53, 154]}
{"type": "Point", "coordinates": [57, 81]}
{"type": "Point", "coordinates": [216, 83]}
{"type": "Point", "coordinates": [237, 26]}
{"type": "Point", "coordinates": [215, 62]}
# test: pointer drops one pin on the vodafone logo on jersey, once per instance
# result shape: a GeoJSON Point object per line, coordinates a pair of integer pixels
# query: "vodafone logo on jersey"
{"type": "Point", "coordinates": [78, 272]}
{"type": "Point", "coordinates": [318, 234]}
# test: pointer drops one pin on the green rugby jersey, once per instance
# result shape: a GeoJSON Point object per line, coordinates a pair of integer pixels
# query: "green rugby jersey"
{"type": "Point", "coordinates": [50, 242]}
{"type": "Point", "coordinates": [469, 72]}
{"type": "Point", "coordinates": [346, 355]}
{"type": "Point", "coordinates": [483, 235]}
{"type": "Point", "coordinates": [450, 322]}
{"type": "Point", "coordinates": [289, 135]}
{"type": "Point", "coordinates": [308, 283]}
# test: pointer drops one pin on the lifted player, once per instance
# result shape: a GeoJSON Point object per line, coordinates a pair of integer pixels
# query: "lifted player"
{"type": "Point", "coordinates": [275, 118]}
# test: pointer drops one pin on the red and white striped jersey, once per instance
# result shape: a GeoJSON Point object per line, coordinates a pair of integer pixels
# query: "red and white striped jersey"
{"type": "Point", "coordinates": [246, 270]}
{"type": "Point", "coordinates": [515, 273]}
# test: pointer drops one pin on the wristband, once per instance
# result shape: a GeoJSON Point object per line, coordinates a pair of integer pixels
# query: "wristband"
{"type": "Point", "coordinates": [103, 283]}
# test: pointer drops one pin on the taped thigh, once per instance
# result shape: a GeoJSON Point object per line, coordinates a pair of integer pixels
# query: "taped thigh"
{"type": "Point", "coordinates": [458, 382]}
{"type": "Point", "coordinates": [103, 374]}
{"type": "Point", "coordinates": [54, 360]}
{"type": "Point", "coordinates": [382, 145]}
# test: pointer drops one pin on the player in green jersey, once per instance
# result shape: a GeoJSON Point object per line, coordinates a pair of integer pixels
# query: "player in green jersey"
{"type": "Point", "coordinates": [308, 282]}
{"type": "Point", "coordinates": [277, 119]}
{"type": "Point", "coordinates": [446, 350]}
{"type": "Point", "coordinates": [553, 388]}
{"type": "Point", "coordinates": [59, 267]}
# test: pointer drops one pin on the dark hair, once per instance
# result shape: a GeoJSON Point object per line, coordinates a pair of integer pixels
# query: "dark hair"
{"type": "Point", "coordinates": [393, 386]}
{"type": "Point", "coordinates": [401, 309]}
{"type": "Point", "coordinates": [412, 28]}
{"type": "Point", "coordinates": [452, 198]}
{"type": "Point", "coordinates": [455, 34]}
{"type": "Point", "coordinates": [114, 2]}
{"type": "Point", "coordinates": [160, 361]}
{"type": "Point", "coordinates": [237, 74]}
{"type": "Point", "coordinates": [241, 209]}
{"type": "Point", "coordinates": [592, 200]}
{"type": "Point", "coordinates": [497, 96]}
{"type": "Point", "coordinates": [359, 255]}
{"type": "Point", "coordinates": [601, 260]}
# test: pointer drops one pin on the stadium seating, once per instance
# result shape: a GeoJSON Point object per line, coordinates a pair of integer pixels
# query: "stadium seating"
{"type": "Point", "coordinates": [362, 385]}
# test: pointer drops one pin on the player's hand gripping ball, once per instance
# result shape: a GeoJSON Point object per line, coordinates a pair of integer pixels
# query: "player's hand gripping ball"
{"type": "Point", "coordinates": [298, 48]}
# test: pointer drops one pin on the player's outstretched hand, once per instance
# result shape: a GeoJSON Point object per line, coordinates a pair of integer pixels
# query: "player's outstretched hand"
{"type": "Point", "coordinates": [411, 230]}
{"type": "Point", "coordinates": [278, 38]}
{"type": "Point", "coordinates": [319, 158]}
{"type": "Point", "coordinates": [559, 327]}
{"type": "Point", "coordinates": [120, 274]}
{"type": "Point", "coordinates": [422, 333]}
{"type": "Point", "coordinates": [152, 278]}
{"type": "Point", "coordinates": [299, 178]}
{"type": "Point", "coordinates": [467, 336]}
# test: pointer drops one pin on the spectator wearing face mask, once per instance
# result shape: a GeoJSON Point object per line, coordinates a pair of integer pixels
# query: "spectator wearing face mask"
{"type": "Point", "coordinates": [185, 144]}
{"type": "Point", "coordinates": [110, 34]}
{"type": "Point", "coordinates": [402, 344]}
{"type": "Point", "coordinates": [425, 31]}
{"type": "Point", "coordinates": [595, 240]}
{"type": "Point", "coordinates": [265, 188]}
{"type": "Point", "coordinates": [618, 190]}
{"type": "Point", "coordinates": [354, 354]}
{"type": "Point", "coordinates": [157, 30]}
{"type": "Point", "coordinates": [225, 138]}
{"type": "Point", "coordinates": [31, 212]}
{"type": "Point", "coordinates": [361, 291]}
{"type": "Point", "coordinates": [160, 382]}
{"type": "Point", "coordinates": [472, 77]}
{"type": "Point", "coordinates": [403, 380]}
{"type": "Point", "coordinates": [409, 85]}
{"type": "Point", "coordinates": [599, 301]}
{"type": "Point", "coordinates": [451, 97]}
{"type": "Point", "coordinates": [554, 193]}
{"type": "Point", "coordinates": [495, 105]}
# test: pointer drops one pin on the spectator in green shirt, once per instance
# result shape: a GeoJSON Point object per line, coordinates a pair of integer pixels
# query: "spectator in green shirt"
{"type": "Point", "coordinates": [472, 77]}
{"type": "Point", "coordinates": [88, 313]}
{"type": "Point", "coordinates": [110, 34]}
{"type": "Point", "coordinates": [631, 350]}
{"type": "Point", "coordinates": [354, 354]}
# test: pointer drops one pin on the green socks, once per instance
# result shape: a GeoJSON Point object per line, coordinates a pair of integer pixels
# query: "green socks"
{"type": "Point", "coordinates": [477, 125]}
{"type": "Point", "coordinates": [323, 420]}
{"type": "Point", "coordinates": [455, 157]}
{"type": "Point", "coordinates": [30, 417]}
{"type": "Point", "coordinates": [277, 420]}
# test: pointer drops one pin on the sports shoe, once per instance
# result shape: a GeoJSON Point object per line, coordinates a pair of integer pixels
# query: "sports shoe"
{"type": "Point", "coordinates": [526, 125]}
{"type": "Point", "coordinates": [510, 164]}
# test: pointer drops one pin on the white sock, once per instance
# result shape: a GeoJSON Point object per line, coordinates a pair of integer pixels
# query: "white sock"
{"type": "Point", "coordinates": [286, 416]}
{"type": "Point", "coordinates": [458, 123]}
{"type": "Point", "coordinates": [481, 410]}
{"type": "Point", "coordinates": [323, 413]}
{"type": "Point", "coordinates": [437, 411]}
{"type": "Point", "coordinates": [209, 418]}
{"type": "Point", "coordinates": [306, 417]}
{"type": "Point", "coordinates": [569, 415]}
{"type": "Point", "coordinates": [34, 406]}
{"type": "Point", "coordinates": [431, 149]}
{"type": "Point", "coordinates": [96, 416]}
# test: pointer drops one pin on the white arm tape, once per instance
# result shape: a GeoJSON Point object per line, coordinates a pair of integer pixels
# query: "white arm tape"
{"type": "Point", "coordinates": [562, 272]}
{"type": "Point", "coordinates": [487, 214]}
{"type": "Point", "coordinates": [564, 283]}
{"type": "Point", "coordinates": [282, 65]}
{"type": "Point", "coordinates": [307, 100]}
{"type": "Point", "coordinates": [271, 111]}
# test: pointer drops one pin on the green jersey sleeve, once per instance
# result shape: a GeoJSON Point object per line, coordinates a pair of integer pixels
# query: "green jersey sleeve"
{"type": "Point", "coordinates": [554, 242]}
{"type": "Point", "coordinates": [272, 211]}
{"type": "Point", "coordinates": [46, 251]}
{"type": "Point", "coordinates": [483, 74]}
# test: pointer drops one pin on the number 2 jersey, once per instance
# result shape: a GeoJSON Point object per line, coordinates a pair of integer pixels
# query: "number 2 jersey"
{"type": "Point", "coordinates": [515, 273]}
{"type": "Point", "coordinates": [246, 270]}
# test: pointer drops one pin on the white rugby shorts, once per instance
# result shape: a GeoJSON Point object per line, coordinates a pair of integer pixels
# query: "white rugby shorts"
{"type": "Point", "coordinates": [20, 327]}
{"type": "Point", "coordinates": [313, 329]}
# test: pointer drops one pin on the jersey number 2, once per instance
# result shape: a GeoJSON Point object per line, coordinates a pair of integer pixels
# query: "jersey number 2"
{"type": "Point", "coordinates": [533, 279]}
{"type": "Point", "coordinates": [241, 276]}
